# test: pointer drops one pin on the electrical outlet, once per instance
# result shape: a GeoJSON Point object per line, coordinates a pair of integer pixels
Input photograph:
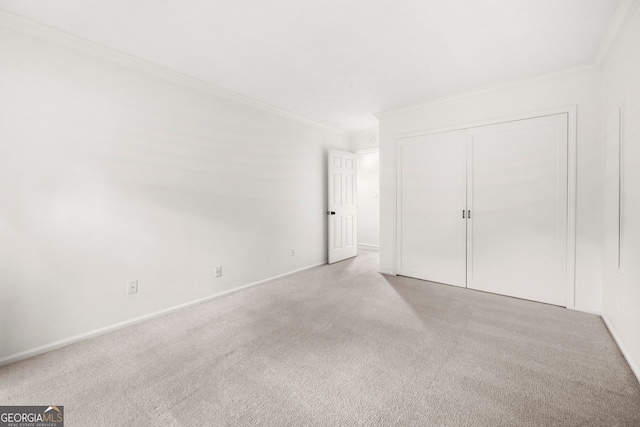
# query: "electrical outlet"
{"type": "Point", "coordinates": [218, 271]}
{"type": "Point", "coordinates": [133, 287]}
{"type": "Point", "coordinates": [293, 251]}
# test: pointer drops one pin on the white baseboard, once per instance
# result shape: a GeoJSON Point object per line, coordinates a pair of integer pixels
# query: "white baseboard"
{"type": "Point", "coordinates": [635, 368]}
{"type": "Point", "coordinates": [586, 310]}
{"type": "Point", "coordinates": [367, 245]}
{"type": "Point", "coordinates": [111, 328]}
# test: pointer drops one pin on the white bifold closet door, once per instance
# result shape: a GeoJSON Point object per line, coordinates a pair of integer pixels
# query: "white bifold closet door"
{"type": "Point", "coordinates": [514, 225]}
{"type": "Point", "coordinates": [517, 195]}
{"type": "Point", "coordinates": [432, 189]}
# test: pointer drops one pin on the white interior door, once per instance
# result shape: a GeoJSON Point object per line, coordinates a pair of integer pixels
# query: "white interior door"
{"type": "Point", "coordinates": [431, 201]}
{"type": "Point", "coordinates": [343, 206]}
{"type": "Point", "coordinates": [517, 195]}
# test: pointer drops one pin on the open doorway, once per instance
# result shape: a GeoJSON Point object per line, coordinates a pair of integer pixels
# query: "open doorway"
{"type": "Point", "coordinates": [365, 145]}
{"type": "Point", "coordinates": [368, 199]}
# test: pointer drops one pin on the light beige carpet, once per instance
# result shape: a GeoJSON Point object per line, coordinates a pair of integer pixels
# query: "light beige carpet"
{"type": "Point", "coordinates": [341, 345]}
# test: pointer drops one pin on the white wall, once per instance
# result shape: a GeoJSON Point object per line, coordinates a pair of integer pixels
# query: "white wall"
{"type": "Point", "coordinates": [364, 140]}
{"type": "Point", "coordinates": [110, 174]}
{"type": "Point", "coordinates": [581, 89]}
{"type": "Point", "coordinates": [621, 287]}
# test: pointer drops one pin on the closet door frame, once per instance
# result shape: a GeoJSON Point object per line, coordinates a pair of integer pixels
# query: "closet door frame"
{"type": "Point", "coordinates": [450, 214]}
{"type": "Point", "coordinates": [571, 111]}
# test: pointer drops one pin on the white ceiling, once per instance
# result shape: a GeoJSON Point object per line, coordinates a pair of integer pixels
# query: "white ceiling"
{"type": "Point", "coordinates": [338, 62]}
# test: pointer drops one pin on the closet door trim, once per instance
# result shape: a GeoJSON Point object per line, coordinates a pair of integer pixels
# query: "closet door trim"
{"type": "Point", "coordinates": [432, 254]}
{"type": "Point", "coordinates": [571, 111]}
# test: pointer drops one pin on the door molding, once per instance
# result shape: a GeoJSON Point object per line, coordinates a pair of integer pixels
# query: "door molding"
{"type": "Point", "coordinates": [571, 111]}
{"type": "Point", "coordinates": [447, 151]}
{"type": "Point", "coordinates": [342, 204]}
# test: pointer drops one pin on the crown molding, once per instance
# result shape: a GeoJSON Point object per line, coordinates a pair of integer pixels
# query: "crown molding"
{"type": "Point", "coordinates": [581, 69]}
{"type": "Point", "coordinates": [26, 25]}
{"type": "Point", "coordinates": [617, 26]}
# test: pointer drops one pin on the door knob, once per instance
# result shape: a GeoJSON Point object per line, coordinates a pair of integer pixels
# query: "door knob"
{"type": "Point", "coordinates": [331, 213]}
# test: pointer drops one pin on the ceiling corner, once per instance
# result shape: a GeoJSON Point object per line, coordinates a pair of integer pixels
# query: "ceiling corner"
{"type": "Point", "coordinates": [617, 26]}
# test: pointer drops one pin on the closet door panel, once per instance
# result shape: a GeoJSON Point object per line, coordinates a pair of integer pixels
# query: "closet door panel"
{"type": "Point", "coordinates": [517, 194]}
{"type": "Point", "coordinates": [431, 198]}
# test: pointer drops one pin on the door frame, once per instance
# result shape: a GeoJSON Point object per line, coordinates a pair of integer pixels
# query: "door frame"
{"type": "Point", "coordinates": [447, 137]}
{"type": "Point", "coordinates": [339, 209]}
{"type": "Point", "coordinates": [571, 111]}
{"type": "Point", "coordinates": [364, 151]}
